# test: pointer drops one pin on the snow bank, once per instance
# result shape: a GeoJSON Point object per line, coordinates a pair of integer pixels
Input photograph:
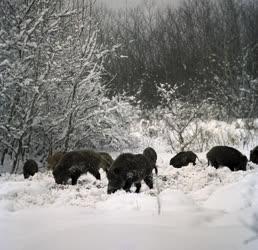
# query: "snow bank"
{"type": "Point", "coordinates": [201, 208]}
{"type": "Point", "coordinates": [236, 196]}
{"type": "Point", "coordinates": [180, 189]}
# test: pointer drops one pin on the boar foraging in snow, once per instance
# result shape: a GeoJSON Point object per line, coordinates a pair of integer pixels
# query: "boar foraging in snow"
{"type": "Point", "coordinates": [30, 168]}
{"type": "Point", "coordinates": [151, 155]}
{"type": "Point", "coordinates": [129, 169]}
{"type": "Point", "coordinates": [183, 159]}
{"type": "Point", "coordinates": [52, 160]}
{"type": "Point", "coordinates": [75, 163]}
{"type": "Point", "coordinates": [108, 158]}
{"type": "Point", "coordinates": [254, 155]}
{"type": "Point", "coordinates": [227, 156]}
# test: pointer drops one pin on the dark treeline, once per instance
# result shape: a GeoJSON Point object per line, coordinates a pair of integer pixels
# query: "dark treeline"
{"type": "Point", "coordinates": [205, 45]}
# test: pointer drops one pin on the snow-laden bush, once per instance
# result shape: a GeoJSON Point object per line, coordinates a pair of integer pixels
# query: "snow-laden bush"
{"type": "Point", "coordinates": [179, 125]}
{"type": "Point", "coordinates": [202, 134]}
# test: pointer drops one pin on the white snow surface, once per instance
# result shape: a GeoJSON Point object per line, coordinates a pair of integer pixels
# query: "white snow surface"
{"type": "Point", "coordinates": [200, 208]}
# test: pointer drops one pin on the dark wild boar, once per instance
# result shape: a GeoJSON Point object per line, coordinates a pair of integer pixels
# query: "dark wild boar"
{"type": "Point", "coordinates": [108, 158]}
{"type": "Point", "coordinates": [52, 160]}
{"type": "Point", "coordinates": [129, 169]}
{"type": "Point", "coordinates": [151, 155]}
{"type": "Point", "coordinates": [254, 155]}
{"type": "Point", "coordinates": [227, 156]}
{"type": "Point", "coordinates": [30, 168]}
{"type": "Point", "coordinates": [75, 163]}
{"type": "Point", "coordinates": [183, 159]}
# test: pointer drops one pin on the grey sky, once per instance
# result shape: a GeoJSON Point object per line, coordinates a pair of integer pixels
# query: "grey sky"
{"type": "Point", "coordinates": [131, 3]}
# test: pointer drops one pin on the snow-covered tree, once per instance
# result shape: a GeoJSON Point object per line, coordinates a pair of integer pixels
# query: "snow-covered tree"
{"type": "Point", "coordinates": [26, 58]}
{"type": "Point", "coordinates": [51, 68]}
{"type": "Point", "coordinates": [182, 117]}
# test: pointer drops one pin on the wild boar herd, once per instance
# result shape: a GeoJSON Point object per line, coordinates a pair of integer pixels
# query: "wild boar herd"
{"type": "Point", "coordinates": [131, 169]}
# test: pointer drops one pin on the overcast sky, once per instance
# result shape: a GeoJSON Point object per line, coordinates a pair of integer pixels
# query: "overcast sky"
{"type": "Point", "coordinates": [130, 3]}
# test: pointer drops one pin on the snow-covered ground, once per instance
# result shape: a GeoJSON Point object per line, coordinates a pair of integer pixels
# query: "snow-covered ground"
{"type": "Point", "coordinates": [200, 208]}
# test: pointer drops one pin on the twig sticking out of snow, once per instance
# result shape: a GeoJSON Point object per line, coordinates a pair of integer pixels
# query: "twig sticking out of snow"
{"type": "Point", "coordinates": [158, 192]}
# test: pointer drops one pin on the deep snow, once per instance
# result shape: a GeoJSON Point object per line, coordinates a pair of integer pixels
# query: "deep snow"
{"type": "Point", "coordinates": [201, 208]}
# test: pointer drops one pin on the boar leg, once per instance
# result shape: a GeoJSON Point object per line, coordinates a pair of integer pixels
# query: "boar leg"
{"type": "Point", "coordinates": [138, 187]}
{"type": "Point", "coordinates": [94, 172]}
{"type": "Point", "coordinates": [75, 174]}
{"type": "Point", "coordinates": [75, 177]}
{"type": "Point", "coordinates": [149, 181]}
{"type": "Point", "coordinates": [128, 185]}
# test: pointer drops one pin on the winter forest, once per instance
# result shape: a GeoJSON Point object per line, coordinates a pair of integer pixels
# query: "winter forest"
{"type": "Point", "coordinates": [80, 75]}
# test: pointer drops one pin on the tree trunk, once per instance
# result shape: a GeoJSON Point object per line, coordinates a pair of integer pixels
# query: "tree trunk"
{"type": "Point", "coordinates": [19, 151]}
{"type": "Point", "coordinates": [3, 156]}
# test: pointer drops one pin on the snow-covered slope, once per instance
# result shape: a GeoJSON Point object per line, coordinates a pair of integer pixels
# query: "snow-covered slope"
{"type": "Point", "coordinates": [200, 208]}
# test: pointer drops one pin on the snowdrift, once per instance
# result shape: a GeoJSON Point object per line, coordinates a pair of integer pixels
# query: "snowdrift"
{"type": "Point", "coordinates": [200, 208]}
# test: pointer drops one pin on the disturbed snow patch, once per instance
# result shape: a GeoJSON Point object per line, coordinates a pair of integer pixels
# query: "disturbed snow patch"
{"type": "Point", "coordinates": [185, 188]}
